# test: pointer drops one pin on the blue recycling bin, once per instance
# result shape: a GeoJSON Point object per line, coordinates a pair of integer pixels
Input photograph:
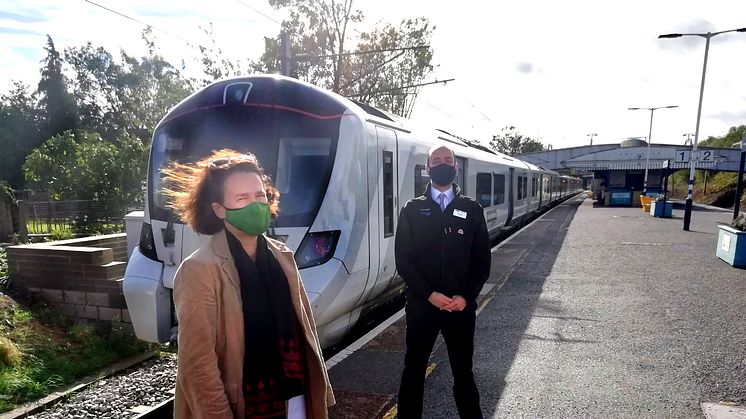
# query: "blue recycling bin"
{"type": "Point", "coordinates": [662, 209]}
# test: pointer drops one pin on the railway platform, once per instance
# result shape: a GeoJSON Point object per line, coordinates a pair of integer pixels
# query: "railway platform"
{"type": "Point", "coordinates": [589, 312]}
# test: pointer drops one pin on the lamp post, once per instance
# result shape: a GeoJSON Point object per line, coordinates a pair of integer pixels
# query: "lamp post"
{"type": "Point", "coordinates": [650, 140]}
{"type": "Point", "coordinates": [593, 134]}
{"type": "Point", "coordinates": [707, 36]}
{"type": "Point", "coordinates": [688, 138]}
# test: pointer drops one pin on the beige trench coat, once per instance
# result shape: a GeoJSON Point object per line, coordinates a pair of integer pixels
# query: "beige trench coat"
{"type": "Point", "coordinates": [207, 295]}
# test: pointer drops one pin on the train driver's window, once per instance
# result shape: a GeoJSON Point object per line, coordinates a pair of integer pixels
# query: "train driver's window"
{"type": "Point", "coordinates": [484, 189]}
{"type": "Point", "coordinates": [498, 189]}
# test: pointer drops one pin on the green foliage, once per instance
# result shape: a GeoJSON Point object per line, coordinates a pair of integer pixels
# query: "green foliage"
{"type": "Point", "coordinates": [733, 136]}
{"type": "Point", "coordinates": [53, 351]}
{"type": "Point", "coordinates": [511, 142]}
{"type": "Point", "coordinates": [83, 166]}
{"type": "Point", "coordinates": [3, 262]}
{"type": "Point", "coordinates": [19, 131]}
{"type": "Point", "coordinates": [323, 28]}
{"type": "Point", "coordinates": [61, 234]}
{"type": "Point", "coordinates": [58, 104]}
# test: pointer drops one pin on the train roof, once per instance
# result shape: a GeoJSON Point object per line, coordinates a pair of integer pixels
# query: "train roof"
{"type": "Point", "coordinates": [262, 91]}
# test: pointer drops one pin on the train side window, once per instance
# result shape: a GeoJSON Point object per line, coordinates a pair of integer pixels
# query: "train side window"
{"type": "Point", "coordinates": [525, 187]}
{"type": "Point", "coordinates": [484, 189]}
{"type": "Point", "coordinates": [534, 187]}
{"type": "Point", "coordinates": [421, 179]}
{"type": "Point", "coordinates": [498, 189]}
{"type": "Point", "coordinates": [388, 194]}
{"type": "Point", "coordinates": [519, 195]}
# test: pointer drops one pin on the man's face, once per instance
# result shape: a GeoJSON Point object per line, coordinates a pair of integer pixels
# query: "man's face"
{"type": "Point", "coordinates": [440, 156]}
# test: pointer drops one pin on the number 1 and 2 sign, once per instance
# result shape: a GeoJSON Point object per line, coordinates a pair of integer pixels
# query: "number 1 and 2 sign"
{"type": "Point", "coordinates": [705, 156]}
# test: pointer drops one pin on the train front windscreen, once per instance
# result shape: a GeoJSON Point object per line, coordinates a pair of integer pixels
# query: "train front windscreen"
{"type": "Point", "coordinates": [295, 149]}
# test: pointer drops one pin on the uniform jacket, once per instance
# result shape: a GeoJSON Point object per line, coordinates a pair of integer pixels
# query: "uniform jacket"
{"type": "Point", "coordinates": [207, 295]}
{"type": "Point", "coordinates": [446, 252]}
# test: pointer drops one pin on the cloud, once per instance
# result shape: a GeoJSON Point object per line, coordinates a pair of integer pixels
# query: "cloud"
{"type": "Point", "coordinates": [525, 68]}
{"type": "Point", "coordinates": [730, 118]}
{"type": "Point", "coordinates": [14, 31]}
{"type": "Point", "coordinates": [23, 18]}
{"type": "Point", "coordinates": [687, 43]}
{"type": "Point", "coordinates": [151, 11]}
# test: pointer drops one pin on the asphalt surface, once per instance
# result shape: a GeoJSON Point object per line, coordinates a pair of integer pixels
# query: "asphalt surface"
{"type": "Point", "coordinates": [595, 312]}
{"type": "Point", "coordinates": [612, 313]}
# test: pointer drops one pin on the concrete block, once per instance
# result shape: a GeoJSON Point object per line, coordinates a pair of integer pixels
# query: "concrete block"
{"type": "Point", "coordinates": [97, 299]}
{"type": "Point", "coordinates": [109, 314]}
{"type": "Point", "coordinates": [52, 295]}
{"type": "Point", "coordinates": [74, 297]}
{"type": "Point", "coordinates": [68, 309]}
{"type": "Point", "coordinates": [86, 312]}
{"type": "Point", "coordinates": [117, 301]}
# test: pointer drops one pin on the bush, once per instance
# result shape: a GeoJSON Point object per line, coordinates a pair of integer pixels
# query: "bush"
{"type": "Point", "coordinates": [739, 223]}
{"type": "Point", "coordinates": [62, 233]}
{"type": "Point", "coordinates": [10, 355]}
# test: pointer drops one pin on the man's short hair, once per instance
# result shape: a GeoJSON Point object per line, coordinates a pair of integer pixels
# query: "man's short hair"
{"type": "Point", "coordinates": [438, 147]}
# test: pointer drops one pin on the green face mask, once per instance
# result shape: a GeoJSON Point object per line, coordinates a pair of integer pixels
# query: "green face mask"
{"type": "Point", "coordinates": [252, 219]}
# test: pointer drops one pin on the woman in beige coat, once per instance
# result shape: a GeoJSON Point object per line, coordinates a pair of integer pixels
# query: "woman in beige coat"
{"type": "Point", "coordinates": [247, 339]}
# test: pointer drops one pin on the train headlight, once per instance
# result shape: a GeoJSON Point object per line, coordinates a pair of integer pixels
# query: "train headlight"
{"type": "Point", "coordinates": [316, 248]}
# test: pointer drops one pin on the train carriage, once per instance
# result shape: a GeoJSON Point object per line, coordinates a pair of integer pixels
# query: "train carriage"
{"type": "Point", "coordinates": [343, 169]}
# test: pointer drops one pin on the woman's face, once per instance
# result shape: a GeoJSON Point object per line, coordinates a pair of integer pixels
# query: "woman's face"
{"type": "Point", "coordinates": [239, 190]}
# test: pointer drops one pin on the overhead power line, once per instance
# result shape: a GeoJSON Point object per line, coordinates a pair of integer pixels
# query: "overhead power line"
{"type": "Point", "coordinates": [257, 11]}
{"type": "Point", "coordinates": [478, 110]}
{"type": "Point", "coordinates": [402, 88]}
{"type": "Point", "coordinates": [374, 51]}
{"type": "Point", "coordinates": [188, 42]}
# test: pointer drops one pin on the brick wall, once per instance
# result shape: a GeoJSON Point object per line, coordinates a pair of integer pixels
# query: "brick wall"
{"type": "Point", "coordinates": [82, 277]}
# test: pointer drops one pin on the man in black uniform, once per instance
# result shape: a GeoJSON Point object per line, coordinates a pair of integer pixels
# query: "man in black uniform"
{"type": "Point", "coordinates": [443, 254]}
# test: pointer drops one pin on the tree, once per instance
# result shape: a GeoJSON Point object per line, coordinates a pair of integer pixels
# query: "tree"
{"type": "Point", "coordinates": [733, 136]}
{"type": "Point", "coordinates": [81, 165]}
{"type": "Point", "coordinates": [125, 98]}
{"type": "Point", "coordinates": [19, 131]}
{"type": "Point", "coordinates": [57, 103]}
{"type": "Point", "coordinates": [215, 65]}
{"type": "Point", "coordinates": [377, 78]}
{"type": "Point", "coordinates": [319, 32]}
{"type": "Point", "coordinates": [511, 142]}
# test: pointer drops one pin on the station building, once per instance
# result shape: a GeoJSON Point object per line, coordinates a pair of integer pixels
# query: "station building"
{"type": "Point", "coordinates": [618, 170]}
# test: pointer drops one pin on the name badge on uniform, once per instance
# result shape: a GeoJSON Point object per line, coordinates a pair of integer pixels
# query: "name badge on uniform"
{"type": "Point", "coordinates": [459, 214]}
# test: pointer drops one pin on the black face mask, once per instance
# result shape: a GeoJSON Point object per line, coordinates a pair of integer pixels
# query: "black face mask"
{"type": "Point", "coordinates": [443, 174]}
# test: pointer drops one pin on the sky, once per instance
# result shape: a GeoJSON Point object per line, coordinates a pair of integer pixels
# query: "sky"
{"type": "Point", "coordinates": [556, 70]}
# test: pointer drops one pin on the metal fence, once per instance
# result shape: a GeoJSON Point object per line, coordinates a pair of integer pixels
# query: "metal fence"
{"type": "Point", "coordinates": [46, 217]}
{"type": "Point", "coordinates": [49, 216]}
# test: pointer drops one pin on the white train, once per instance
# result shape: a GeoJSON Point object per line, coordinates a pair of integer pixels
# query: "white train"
{"type": "Point", "coordinates": [344, 169]}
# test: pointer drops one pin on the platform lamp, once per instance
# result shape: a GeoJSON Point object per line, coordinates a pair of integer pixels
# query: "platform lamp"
{"type": "Point", "coordinates": [707, 36]}
{"type": "Point", "coordinates": [650, 140]}
{"type": "Point", "coordinates": [593, 134]}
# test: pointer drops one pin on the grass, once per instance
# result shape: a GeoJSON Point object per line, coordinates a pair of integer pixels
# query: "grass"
{"type": "Point", "coordinates": [41, 349]}
{"type": "Point", "coordinates": [66, 231]}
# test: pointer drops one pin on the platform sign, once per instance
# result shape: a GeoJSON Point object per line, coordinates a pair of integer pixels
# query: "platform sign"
{"type": "Point", "coordinates": [706, 156]}
{"type": "Point", "coordinates": [682, 156]}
